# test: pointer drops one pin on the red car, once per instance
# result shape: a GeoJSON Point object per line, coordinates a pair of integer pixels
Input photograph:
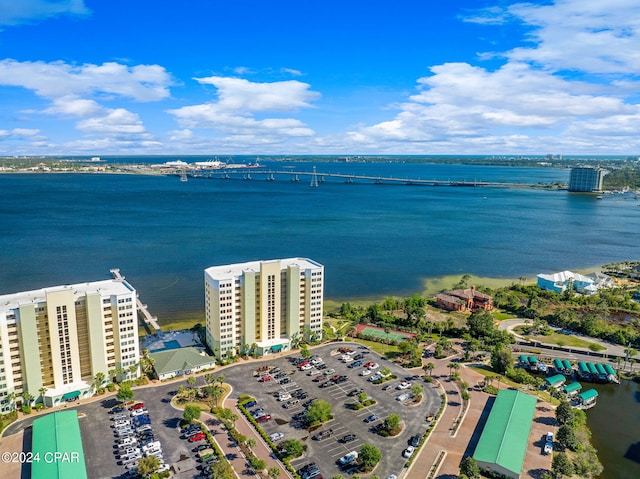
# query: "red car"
{"type": "Point", "coordinates": [370, 363]}
{"type": "Point", "coordinates": [197, 437]}
{"type": "Point", "coordinates": [264, 379]}
{"type": "Point", "coordinates": [265, 418]}
{"type": "Point", "coordinates": [139, 405]}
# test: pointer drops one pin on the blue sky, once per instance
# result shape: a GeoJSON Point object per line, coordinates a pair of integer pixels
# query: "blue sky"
{"type": "Point", "coordinates": [283, 77]}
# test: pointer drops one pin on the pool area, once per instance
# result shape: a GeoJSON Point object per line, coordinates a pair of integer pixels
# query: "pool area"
{"type": "Point", "coordinates": [170, 340]}
{"type": "Point", "coordinates": [170, 345]}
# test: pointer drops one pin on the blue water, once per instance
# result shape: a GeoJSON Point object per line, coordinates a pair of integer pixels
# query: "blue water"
{"type": "Point", "coordinates": [374, 240]}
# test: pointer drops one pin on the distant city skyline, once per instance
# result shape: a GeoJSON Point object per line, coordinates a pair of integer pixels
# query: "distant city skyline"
{"type": "Point", "coordinates": [81, 77]}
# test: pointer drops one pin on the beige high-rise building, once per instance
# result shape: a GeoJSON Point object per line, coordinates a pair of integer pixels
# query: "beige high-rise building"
{"type": "Point", "coordinates": [56, 340]}
{"type": "Point", "coordinates": [263, 306]}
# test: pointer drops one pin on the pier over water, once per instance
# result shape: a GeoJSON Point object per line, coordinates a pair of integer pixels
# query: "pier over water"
{"type": "Point", "coordinates": [150, 322]}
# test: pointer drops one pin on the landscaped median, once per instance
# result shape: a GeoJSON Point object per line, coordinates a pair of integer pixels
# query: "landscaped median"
{"type": "Point", "coordinates": [245, 399]}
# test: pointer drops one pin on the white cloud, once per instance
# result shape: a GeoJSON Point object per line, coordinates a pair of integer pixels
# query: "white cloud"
{"type": "Point", "coordinates": [19, 133]}
{"type": "Point", "coordinates": [238, 102]}
{"type": "Point", "coordinates": [242, 96]}
{"type": "Point", "coordinates": [59, 79]}
{"type": "Point", "coordinates": [586, 35]}
{"type": "Point", "coordinates": [14, 12]}
{"type": "Point", "coordinates": [118, 121]}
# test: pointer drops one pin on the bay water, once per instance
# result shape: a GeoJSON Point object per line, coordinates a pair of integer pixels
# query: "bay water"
{"type": "Point", "coordinates": [374, 239]}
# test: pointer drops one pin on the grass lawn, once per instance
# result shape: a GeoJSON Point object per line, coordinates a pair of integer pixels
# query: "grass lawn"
{"type": "Point", "coordinates": [501, 316]}
{"type": "Point", "coordinates": [566, 340]}
{"type": "Point", "coordinates": [487, 371]}
{"type": "Point", "coordinates": [379, 348]}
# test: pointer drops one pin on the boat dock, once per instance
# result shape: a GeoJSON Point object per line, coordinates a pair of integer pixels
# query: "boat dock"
{"type": "Point", "coordinates": [150, 322]}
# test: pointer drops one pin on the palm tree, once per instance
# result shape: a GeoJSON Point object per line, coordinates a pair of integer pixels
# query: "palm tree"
{"type": "Point", "coordinates": [98, 379]}
{"type": "Point", "coordinates": [428, 367]}
{"type": "Point", "coordinates": [11, 397]}
{"type": "Point", "coordinates": [251, 443]}
{"type": "Point", "coordinates": [43, 390]}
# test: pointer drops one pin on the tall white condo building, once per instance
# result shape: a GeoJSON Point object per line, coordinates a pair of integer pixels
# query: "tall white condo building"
{"type": "Point", "coordinates": [263, 306]}
{"type": "Point", "coordinates": [55, 341]}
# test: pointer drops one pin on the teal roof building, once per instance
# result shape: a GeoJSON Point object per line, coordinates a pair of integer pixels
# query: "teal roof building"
{"type": "Point", "coordinates": [503, 444]}
{"type": "Point", "coordinates": [57, 447]}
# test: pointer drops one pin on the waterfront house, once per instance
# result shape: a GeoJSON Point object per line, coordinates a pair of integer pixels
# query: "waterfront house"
{"type": "Point", "coordinates": [464, 300]}
{"type": "Point", "coordinates": [560, 282]}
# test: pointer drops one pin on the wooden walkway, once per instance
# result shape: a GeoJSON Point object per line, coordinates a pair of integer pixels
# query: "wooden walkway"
{"type": "Point", "coordinates": [149, 321]}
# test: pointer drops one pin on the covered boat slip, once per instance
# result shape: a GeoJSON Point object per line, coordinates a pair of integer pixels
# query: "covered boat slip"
{"type": "Point", "coordinates": [572, 388]}
{"type": "Point", "coordinates": [555, 381]}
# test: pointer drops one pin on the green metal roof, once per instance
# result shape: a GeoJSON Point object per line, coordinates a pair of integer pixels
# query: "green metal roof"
{"type": "Point", "coordinates": [588, 394]}
{"type": "Point", "coordinates": [555, 380]}
{"type": "Point", "coordinates": [505, 436]}
{"type": "Point", "coordinates": [179, 360]}
{"type": "Point", "coordinates": [58, 446]}
{"type": "Point", "coordinates": [609, 369]}
{"type": "Point", "coordinates": [572, 387]}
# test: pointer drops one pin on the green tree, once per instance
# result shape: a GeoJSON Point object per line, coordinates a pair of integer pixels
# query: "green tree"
{"type": "Point", "coordinates": [257, 463]}
{"type": "Point", "coordinates": [564, 413]}
{"type": "Point", "coordinates": [191, 412]}
{"type": "Point", "coordinates": [561, 465]}
{"type": "Point", "coordinates": [428, 368]}
{"type": "Point", "coordinates": [417, 390]}
{"type": "Point", "coordinates": [362, 397]}
{"type": "Point", "coordinates": [147, 465]}
{"type": "Point", "coordinates": [125, 393]}
{"type": "Point", "coordinates": [293, 448]}
{"type": "Point", "coordinates": [222, 470]}
{"type": "Point", "coordinates": [566, 438]}
{"type": "Point", "coordinates": [43, 390]}
{"type": "Point", "coordinates": [469, 467]}
{"type": "Point", "coordinates": [319, 412]}
{"type": "Point", "coordinates": [304, 351]}
{"type": "Point", "coordinates": [251, 443]}
{"type": "Point", "coordinates": [191, 381]}
{"type": "Point", "coordinates": [392, 422]}
{"type": "Point", "coordinates": [480, 324]}
{"type": "Point", "coordinates": [273, 472]}
{"type": "Point", "coordinates": [369, 456]}
{"type": "Point", "coordinates": [501, 359]}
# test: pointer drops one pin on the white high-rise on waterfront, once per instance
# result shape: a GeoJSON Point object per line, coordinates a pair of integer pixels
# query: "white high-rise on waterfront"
{"type": "Point", "coordinates": [586, 179]}
{"type": "Point", "coordinates": [263, 305]}
{"type": "Point", "coordinates": [55, 340]}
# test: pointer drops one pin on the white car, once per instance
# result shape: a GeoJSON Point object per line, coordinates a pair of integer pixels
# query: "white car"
{"type": "Point", "coordinates": [284, 397]}
{"type": "Point", "coordinates": [408, 452]}
{"type": "Point", "coordinates": [548, 448]}
{"type": "Point", "coordinates": [139, 412]}
{"type": "Point", "coordinates": [276, 436]}
{"type": "Point", "coordinates": [347, 359]}
{"type": "Point", "coordinates": [403, 397]}
{"type": "Point", "coordinates": [306, 367]}
{"type": "Point", "coordinates": [403, 385]}
{"type": "Point", "coordinates": [348, 458]}
{"type": "Point", "coordinates": [365, 372]}
{"type": "Point", "coordinates": [329, 372]}
{"type": "Point", "coordinates": [374, 366]}
{"type": "Point", "coordinates": [317, 361]}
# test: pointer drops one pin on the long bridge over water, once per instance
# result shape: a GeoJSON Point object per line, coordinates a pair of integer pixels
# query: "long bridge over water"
{"type": "Point", "coordinates": [314, 178]}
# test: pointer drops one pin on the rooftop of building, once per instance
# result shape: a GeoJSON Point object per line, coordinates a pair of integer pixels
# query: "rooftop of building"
{"type": "Point", "coordinates": [58, 432]}
{"type": "Point", "coordinates": [505, 436]}
{"type": "Point", "coordinates": [179, 360]}
{"type": "Point", "coordinates": [224, 271]}
{"type": "Point", "coordinates": [105, 287]}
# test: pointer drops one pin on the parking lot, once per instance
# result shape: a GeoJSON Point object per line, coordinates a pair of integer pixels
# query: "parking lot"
{"type": "Point", "coordinates": [287, 378]}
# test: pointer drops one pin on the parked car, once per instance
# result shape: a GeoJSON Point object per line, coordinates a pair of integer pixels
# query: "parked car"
{"type": "Point", "coordinates": [365, 372]}
{"type": "Point", "coordinates": [197, 437]}
{"type": "Point", "coordinates": [284, 397]}
{"type": "Point", "coordinates": [264, 379]}
{"type": "Point", "coordinates": [348, 458]}
{"type": "Point", "coordinates": [348, 438]}
{"type": "Point", "coordinates": [403, 385]}
{"type": "Point", "coordinates": [139, 405]}
{"type": "Point", "coordinates": [370, 363]}
{"type": "Point", "coordinates": [371, 418]}
{"type": "Point", "coordinates": [322, 434]}
{"type": "Point", "coordinates": [250, 404]}
{"type": "Point", "coordinates": [276, 436]}
{"type": "Point", "coordinates": [265, 418]}
{"type": "Point", "coordinates": [408, 452]}
{"type": "Point", "coordinates": [355, 364]}
{"type": "Point", "coordinates": [415, 440]}
{"type": "Point", "coordinates": [374, 366]}
{"type": "Point", "coordinates": [403, 397]}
